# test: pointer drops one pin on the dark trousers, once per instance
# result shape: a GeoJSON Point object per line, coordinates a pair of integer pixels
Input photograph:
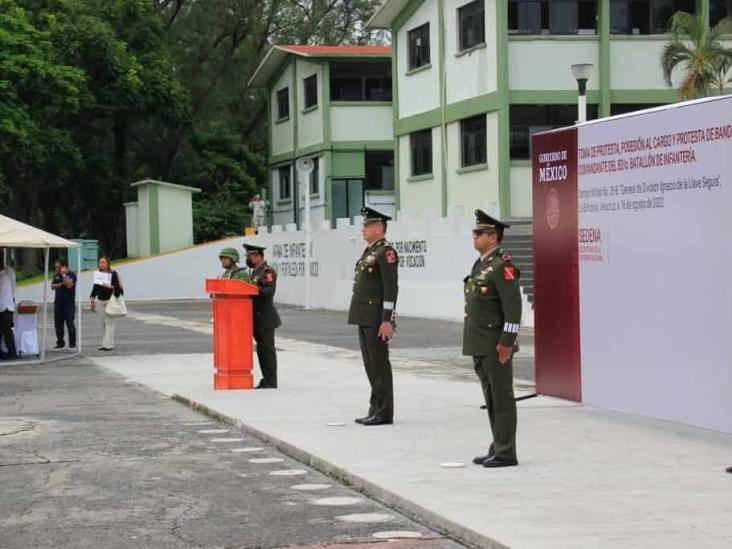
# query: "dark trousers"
{"type": "Point", "coordinates": [6, 331]}
{"type": "Point", "coordinates": [497, 382]}
{"type": "Point", "coordinates": [64, 313]}
{"type": "Point", "coordinates": [375, 354]}
{"type": "Point", "coordinates": [267, 355]}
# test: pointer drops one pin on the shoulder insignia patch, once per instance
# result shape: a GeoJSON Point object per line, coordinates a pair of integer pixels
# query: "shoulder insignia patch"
{"type": "Point", "coordinates": [509, 272]}
{"type": "Point", "coordinates": [269, 277]}
{"type": "Point", "coordinates": [390, 256]}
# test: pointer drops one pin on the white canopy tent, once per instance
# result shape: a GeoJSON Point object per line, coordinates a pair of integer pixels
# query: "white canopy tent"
{"type": "Point", "coordinates": [14, 234]}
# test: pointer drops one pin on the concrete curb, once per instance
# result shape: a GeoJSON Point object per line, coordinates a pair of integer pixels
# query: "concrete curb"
{"type": "Point", "coordinates": [429, 518]}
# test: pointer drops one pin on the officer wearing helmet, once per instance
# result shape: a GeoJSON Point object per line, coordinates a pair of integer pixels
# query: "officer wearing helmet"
{"type": "Point", "coordinates": [229, 258]}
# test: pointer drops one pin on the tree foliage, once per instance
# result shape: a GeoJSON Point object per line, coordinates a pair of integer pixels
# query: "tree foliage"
{"type": "Point", "coordinates": [699, 51]}
{"type": "Point", "coordinates": [95, 94]}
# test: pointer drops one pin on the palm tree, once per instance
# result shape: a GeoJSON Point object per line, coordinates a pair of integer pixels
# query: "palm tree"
{"type": "Point", "coordinates": [699, 50]}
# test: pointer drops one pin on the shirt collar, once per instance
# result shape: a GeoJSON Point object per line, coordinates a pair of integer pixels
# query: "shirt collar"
{"type": "Point", "coordinates": [489, 253]}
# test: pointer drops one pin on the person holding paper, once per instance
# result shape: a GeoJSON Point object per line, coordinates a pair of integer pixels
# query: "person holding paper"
{"type": "Point", "coordinates": [64, 304]}
{"type": "Point", "coordinates": [106, 283]}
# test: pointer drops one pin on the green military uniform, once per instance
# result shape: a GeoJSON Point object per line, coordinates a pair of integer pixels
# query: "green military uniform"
{"type": "Point", "coordinates": [234, 272]}
{"type": "Point", "coordinates": [266, 319]}
{"type": "Point", "coordinates": [493, 317]}
{"type": "Point", "coordinates": [375, 289]}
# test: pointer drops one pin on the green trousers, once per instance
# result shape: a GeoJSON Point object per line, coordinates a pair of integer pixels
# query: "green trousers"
{"type": "Point", "coordinates": [375, 354]}
{"type": "Point", "coordinates": [496, 381]}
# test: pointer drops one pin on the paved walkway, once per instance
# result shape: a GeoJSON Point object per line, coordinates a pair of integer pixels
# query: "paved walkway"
{"type": "Point", "coordinates": [588, 478]}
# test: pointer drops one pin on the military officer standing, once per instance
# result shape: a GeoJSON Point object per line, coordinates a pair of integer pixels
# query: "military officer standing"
{"type": "Point", "coordinates": [229, 258]}
{"type": "Point", "coordinates": [373, 307]}
{"type": "Point", "coordinates": [492, 320]}
{"type": "Point", "coordinates": [266, 319]}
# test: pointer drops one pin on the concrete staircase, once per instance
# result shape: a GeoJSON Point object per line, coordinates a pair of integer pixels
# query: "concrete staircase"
{"type": "Point", "coordinates": [519, 243]}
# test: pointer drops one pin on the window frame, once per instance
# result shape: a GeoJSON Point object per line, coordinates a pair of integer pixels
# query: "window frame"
{"type": "Point", "coordinates": [649, 24]}
{"type": "Point", "coordinates": [307, 91]}
{"type": "Point", "coordinates": [315, 176]}
{"type": "Point", "coordinates": [283, 93]}
{"type": "Point", "coordinates": [475, 12]}
{"type": "Point", "coordinates": [547, 18]}
{"type": "Point", "coordinates": [418, 55]}
{"type": "Point", "coordinates": [281, 170]}
{"type": "Point", "coordinates": [472, 151]}
{"type": "Point", "coordinates": [388, 156]}
{"type": "Point", "coordinates": [426, 166]}
{"type": "Point", "coordinates": [363, 81]}
{"type": "Point", "coordinates": [552, 118]}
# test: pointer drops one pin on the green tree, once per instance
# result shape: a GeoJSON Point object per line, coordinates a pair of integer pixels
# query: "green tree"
{"type": "Point", "coordinates": [700, 52]}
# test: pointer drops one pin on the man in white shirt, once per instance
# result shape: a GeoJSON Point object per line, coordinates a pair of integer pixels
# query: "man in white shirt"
{"type": "Point", "coordinates": [259, 211]}
{"type": "Point", "coordinates": [7, 308]}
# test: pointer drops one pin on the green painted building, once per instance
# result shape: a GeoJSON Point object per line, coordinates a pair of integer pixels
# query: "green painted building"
{"type": "Point", "coordinates": [474, 79]}
{"type": "Point", "coordinates": [332, 104]}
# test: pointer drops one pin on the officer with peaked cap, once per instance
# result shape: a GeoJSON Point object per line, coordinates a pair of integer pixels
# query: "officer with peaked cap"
{"type": "Point", "coordinates": [229, 258]}
{"type": "Point", "coordinates": [373, 310]}
{"type": "Point", "coordinates": [266, 319]}
{"type": "Point", "coordinates": [492, 321]}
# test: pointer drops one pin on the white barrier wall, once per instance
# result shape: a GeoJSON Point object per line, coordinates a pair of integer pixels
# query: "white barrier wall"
{"type": "Point", "coordinates": [435, 255]}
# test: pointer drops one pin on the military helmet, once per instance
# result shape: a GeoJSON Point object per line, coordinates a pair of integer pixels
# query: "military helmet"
{"type": "Point", "coordinates": [231, 253]}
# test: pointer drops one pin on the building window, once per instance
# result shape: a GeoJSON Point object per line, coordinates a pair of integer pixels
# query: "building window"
{"type": "Point", "coordinates": [421, 145]}
{"type": "Point", "coordinates": [360, 81]}
{"type": "Point", "coordinates": [315, 176]}
{"type": "Point", "coordinates": [419, 47]}
{"type": "Point", "coordinates": [526, 120]}
{"type": "Point", "coordinates": [719, 10]}
{"type": "Point", "coordinates": [552, 16]}
{"type": "Point", "coordinates": [623, 108]}
{"type": "Point", "coordinates": [283, 103]}
{"type": "Point", "coordinates": [310, 90]}
{"type": "Point", "coordinates": [645, 16]}
{"type": "Point", "coordinates": [285, 182]}
{"type": "Point", "coordinates": [473, 141]}
{"type": "Point", "coordinates": [379, 171]}
{"type": "Point", "coordinates": [471, 19]}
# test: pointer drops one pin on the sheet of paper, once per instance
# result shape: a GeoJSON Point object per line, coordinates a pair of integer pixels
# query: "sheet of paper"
{"type": "Point", "coordinates": [102, 278]}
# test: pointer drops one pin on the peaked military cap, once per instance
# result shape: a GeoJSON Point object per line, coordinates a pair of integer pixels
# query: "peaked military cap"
{"type": "Point", "coordinates": [370, 216]}
{"type": "Point", "coordinates": [251, 248]}
{"type": "Point", "coordinates": [484, 222]}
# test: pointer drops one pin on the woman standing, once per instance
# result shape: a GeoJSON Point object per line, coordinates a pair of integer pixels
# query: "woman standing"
{"type": "Point", "coordinates": [102, 293]}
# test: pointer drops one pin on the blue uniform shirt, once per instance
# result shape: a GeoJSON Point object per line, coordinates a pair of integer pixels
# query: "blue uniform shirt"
{"type": "Point", "coordinates": [64, 294]}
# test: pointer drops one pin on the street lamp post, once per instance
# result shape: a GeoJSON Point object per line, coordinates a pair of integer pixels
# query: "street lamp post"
{"type": "Point", "coordinates": [581, 72]}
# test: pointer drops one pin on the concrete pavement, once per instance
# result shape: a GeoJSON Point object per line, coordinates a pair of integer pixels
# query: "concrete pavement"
{"type": "Point", "coordinates": [588, 478]}
{"type": "Point", "coordinates": [90, 460]}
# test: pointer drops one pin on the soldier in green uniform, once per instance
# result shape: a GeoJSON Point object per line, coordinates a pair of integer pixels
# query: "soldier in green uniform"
{"type": "Point", "coordinates": [373, 310]}
{"type": "Point", "coordinates": [229, 258]}
{"type": "Point", "coordinates": [492, 321]}
{"type": "Point", "coordinates": [266, 318]}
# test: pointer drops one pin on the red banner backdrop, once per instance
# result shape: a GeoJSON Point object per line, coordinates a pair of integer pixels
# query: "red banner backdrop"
{"type": "Point", "coordinates": [556, 265]}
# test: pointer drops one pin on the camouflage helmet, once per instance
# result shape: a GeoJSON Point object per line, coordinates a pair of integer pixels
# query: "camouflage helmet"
{"type": "Point", "coordinates": [231, 253]}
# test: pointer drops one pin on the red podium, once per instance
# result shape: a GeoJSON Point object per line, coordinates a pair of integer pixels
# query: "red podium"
{"type": "Point", "coordinates": [232, 313]}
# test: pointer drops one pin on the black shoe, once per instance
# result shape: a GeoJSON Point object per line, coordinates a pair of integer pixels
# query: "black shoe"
{"type": "Point", "coordinates": [729, 469]}
{"type": "Point", "coordinates": [362, 419]}
{"type": "Point", "coordinates": [106, 349]}
{"type": "Point", "coordinates": [376, 420]}
{"type": "Point", "coordinates": [478, 460]}
{"type": "Point", "coordinates": [72, 347]}
{"type": "Point", "coordinates": [495, 461]}
{"type": "Point", "coordinates": [59, 346]}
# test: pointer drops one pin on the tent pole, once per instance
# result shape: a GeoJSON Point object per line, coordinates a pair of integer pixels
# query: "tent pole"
{"type": "Point", "coordinates": [45, 307]}
{"type": "Point", "coordinates": [78, 301]}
